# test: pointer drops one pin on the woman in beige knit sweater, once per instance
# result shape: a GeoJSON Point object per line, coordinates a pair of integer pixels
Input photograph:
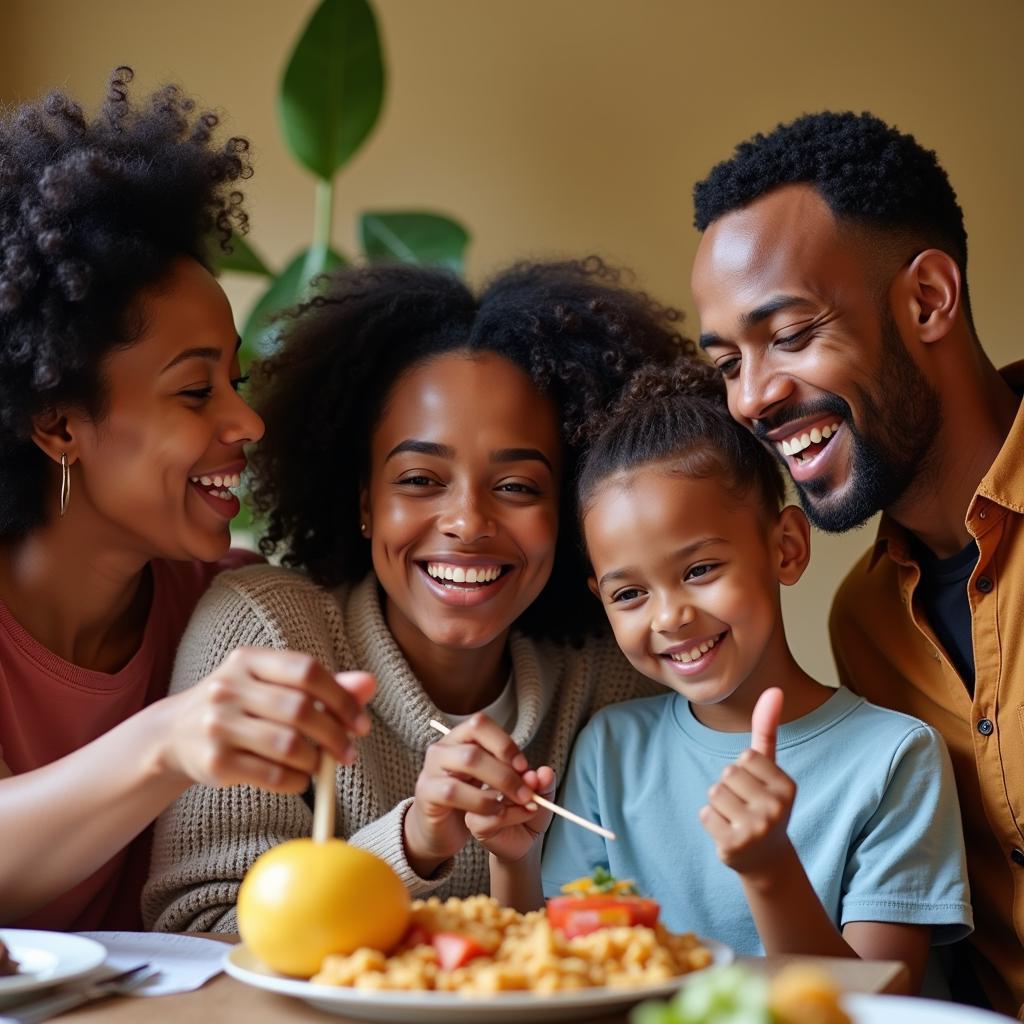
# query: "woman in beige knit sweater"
{"type": "Point", "coordinates": [421, 447]}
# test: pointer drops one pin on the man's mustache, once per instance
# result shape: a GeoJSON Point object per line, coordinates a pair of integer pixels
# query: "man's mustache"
{"type": "Point", "coordinates": [827, 403]}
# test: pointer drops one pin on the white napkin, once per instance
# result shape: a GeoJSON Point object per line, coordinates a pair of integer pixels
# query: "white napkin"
{"type": "Point", "coordinates": [185, 962]}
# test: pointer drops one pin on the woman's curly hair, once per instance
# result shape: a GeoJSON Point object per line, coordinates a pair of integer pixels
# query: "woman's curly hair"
{"type": "Point", "coordinates": [678, 417]}
{"type": "Point", "coordinates": [573, 327]}
{"type": "Point", "coordinates": [91, 213]}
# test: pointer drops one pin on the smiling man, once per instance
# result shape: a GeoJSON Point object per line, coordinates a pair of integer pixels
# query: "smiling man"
{"type": "Point", "coordinates": [831, 283]}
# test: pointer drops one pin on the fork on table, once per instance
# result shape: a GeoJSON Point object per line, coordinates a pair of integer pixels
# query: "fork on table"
{"type": "Point", "coordinates": [51, 1005]}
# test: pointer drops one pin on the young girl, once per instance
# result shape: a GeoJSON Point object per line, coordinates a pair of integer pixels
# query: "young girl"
{"type": "Point", "coordinates": [688, 544]}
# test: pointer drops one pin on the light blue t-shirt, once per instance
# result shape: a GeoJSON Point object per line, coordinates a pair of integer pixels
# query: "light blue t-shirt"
{"type": "Point", "coordinates": [876, 821]}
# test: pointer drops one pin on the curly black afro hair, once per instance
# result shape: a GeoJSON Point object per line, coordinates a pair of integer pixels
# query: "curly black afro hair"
{"type": "Point", "coordinates": [572, 327]}
{"type": "Point", "coordinates": [866, 171]}
{"type": "Point", "coordinates": [678, 416]}
{"type": "Point", "coordinates": [91, 213]}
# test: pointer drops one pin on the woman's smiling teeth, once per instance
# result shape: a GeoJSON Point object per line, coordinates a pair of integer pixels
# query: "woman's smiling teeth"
{"type": "Point", "coordinates": [218, 485]}
{"type": "Point", "coordinates": [799, 442]}
{"type": "Point", "coordinates": [696, 651]}
{"type": "Point", "coordinates": [447, 573]}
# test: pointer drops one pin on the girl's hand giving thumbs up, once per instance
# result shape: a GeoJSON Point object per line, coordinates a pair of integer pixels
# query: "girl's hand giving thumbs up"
{"type": "Point", "coordinates": [748, 808]}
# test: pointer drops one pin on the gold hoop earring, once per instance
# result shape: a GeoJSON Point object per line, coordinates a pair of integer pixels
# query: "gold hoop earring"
{"type": "Point", "coordinates": [65, 483]}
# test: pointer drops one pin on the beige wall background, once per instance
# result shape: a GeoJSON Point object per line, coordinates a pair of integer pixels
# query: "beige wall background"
{"type": "Point", "coordinates": [569, 126]}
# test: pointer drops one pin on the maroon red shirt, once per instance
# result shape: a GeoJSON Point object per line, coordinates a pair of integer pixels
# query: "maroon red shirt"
{"type": "Point", "coordinates": [50, 707]}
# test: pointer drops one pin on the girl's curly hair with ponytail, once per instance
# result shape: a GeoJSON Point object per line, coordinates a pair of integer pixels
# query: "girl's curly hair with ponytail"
{"type": "Point", "coordinates": [679, 418]}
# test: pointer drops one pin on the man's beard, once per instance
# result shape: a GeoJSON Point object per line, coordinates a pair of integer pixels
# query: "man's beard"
{"type": "Point", "coordinates": [900, 422]}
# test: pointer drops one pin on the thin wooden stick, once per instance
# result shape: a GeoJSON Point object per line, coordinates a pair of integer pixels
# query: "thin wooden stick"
{"type": "Point", "coordinates": [323, 808]}
{"type": "Point", "coordinates": [547, 804]}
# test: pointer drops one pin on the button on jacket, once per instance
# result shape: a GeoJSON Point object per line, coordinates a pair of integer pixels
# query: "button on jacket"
{"type": "Point", "coordinates": [887, 651]}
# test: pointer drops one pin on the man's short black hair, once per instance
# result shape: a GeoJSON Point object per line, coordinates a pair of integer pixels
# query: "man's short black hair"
{"type": "Point", "coordinates": [866, 171]}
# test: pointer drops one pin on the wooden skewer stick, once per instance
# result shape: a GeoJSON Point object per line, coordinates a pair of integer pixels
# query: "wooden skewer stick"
{"type": "Point", "coordinates": [323, 808]}
{"type": "Point", "coordinates": [546, 804]}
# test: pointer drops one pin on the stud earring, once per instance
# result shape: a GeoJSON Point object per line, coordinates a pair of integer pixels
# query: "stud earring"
{"type": "Point", "coordinates": [65, 483]}
{"type": "Point", "coordinates": [362, 527]}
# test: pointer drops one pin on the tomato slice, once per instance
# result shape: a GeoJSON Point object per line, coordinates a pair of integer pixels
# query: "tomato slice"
{"type": "Point", "coordinates": [581, 915]}
{"type": "Point", "coordinates": [455, 950]}
{"type": "Point", "coordinates": [645, 911]}
{"type": "Point", "coordinates": [582, 921]}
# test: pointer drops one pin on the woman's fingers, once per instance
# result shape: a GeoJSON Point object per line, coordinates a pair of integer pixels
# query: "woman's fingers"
{"type": "Point", "coordinates": [250, 770]}
{"type": "Point", "coordinates": [229, 748]}
{"type": "Point", "coordinates": [542, 781]}
{"type": "Point", "coordinates": [489, 826]}
{"type": "Point", "coordinates": [481, 752]}
{"type": "Point", "coordinates": [273, 742]}
{"type": "Point", "coordinates": [362, 686]}
{"type": "Point", "coordinates": [302, 715]}
{"type": "Point", "coordinates": [264, 715]}
{"type": "Point", "coordinates": [469, 761]}
{"type": "Point", "coordinates": [475, 781]}
{"type": "Point", "coordinates": [309, 682]}
{"type": "Point", "coordinates": [484, 732]}
{"type": "Point", "coordinates": [486, 828]}
{"type": "Point", "coordinates": [445, 791]}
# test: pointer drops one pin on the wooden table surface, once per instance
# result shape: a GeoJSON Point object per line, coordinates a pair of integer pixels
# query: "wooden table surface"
{"type": "Point", "coordinates": [222, 999]}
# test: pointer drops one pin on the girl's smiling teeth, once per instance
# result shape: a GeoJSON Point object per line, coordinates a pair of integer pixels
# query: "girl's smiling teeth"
{"type": "Point", "coordinates": [686, 655]}
{"type": "Point", "coordinates": [446, 572]}
{"type": "Point", "coordinates": [798, 443]}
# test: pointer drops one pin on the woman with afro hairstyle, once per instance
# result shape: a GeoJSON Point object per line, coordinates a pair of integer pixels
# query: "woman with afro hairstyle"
{"type": "Point", "coordinates": [121, 434]}
{"type": "Point", "coordinates": [418, 469]}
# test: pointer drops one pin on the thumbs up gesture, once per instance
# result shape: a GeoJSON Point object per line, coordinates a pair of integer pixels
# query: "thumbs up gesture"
{"type": "Point", "coordinates": [748, 808]}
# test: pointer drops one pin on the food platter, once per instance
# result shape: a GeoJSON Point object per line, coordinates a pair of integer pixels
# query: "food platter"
{"type": "Point", "coordinates": [444, 1007]}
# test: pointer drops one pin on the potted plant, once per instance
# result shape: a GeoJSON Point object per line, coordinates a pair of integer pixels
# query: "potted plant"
{"type": "Point", "coordinates": [329, 101]}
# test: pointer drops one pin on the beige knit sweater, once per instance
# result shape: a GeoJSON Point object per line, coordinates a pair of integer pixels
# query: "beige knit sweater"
{"type": "Point", "coordinates": [205, 842]}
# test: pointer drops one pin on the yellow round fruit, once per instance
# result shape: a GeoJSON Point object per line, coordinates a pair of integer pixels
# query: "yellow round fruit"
{"type": "Point", "coordinates": [302, 900]}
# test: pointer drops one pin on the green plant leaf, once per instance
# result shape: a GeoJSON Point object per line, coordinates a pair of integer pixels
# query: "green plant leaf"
{"type": "Point", "coordinates": [333, 86]}
{"type": "Point", "coordinates": [242, 259]}
{"type": "Point", "coordinates": [290, 287]}
{"type": "Point", "coordinates": [427, 238]}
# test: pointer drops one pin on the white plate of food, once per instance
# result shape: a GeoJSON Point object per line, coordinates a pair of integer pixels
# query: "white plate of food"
{"type": "Point", "coordinates": [44, 959]}
{"type": "Point", "coordinates": [865, 1009]}
{"type": "Point", "coordinates": [431, 1007]}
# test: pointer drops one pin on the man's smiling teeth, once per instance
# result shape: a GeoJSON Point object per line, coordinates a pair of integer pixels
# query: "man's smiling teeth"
{"type": "Point", "coordinates": [695, 652]}
{"type": "Point", "coordinates": [797, 444]}
{"type": "Point", "coordinates": [460, 574]}
{"type": "Point", "coordinates": [218, 485]}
